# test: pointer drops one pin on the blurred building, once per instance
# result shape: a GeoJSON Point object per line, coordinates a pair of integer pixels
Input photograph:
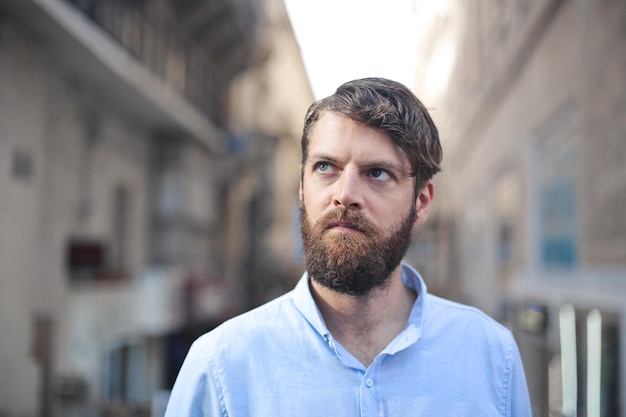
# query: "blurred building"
{"type": "Point", "coordinates": [148, 176]}
{"type": "Point", "coordinates": [530, 97]}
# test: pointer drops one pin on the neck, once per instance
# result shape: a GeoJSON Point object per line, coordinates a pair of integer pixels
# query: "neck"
{"type": "Point", "coordinates": [366, 325]}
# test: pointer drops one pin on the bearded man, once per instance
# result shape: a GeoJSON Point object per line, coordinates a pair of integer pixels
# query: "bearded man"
{"type": "Point", "coordinates": [359, 335]}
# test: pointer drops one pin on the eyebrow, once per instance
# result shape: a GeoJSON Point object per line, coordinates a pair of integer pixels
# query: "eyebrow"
{"type": "Point", "coordinates": [320, 157]}
{"type": "Point", "coordinates": [389, 166]}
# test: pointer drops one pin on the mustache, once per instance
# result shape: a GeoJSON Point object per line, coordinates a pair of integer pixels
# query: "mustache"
{"type": "Point", "coordinates": [346, 217]}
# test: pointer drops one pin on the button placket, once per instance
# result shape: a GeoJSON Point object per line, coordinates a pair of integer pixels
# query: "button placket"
{"type": "Point", "coordinates": [371, 405]}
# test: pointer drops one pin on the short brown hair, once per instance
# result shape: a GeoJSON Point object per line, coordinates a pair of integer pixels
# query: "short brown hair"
{"type": "Point", "coordinates": [392, 108]}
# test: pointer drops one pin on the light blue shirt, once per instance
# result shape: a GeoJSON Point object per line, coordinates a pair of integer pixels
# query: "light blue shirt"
{"type": "Point", "coordinates": [280, 360]}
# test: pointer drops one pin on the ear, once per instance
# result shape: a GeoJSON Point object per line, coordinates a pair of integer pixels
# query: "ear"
{"type": "Point", "coordinates": [422, 203]}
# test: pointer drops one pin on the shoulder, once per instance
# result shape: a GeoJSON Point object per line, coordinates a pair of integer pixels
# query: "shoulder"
{"type": "Point", "coordinates": [473, 345]}
{"type": "Point", "coordinates": [222, 356]}
{"type": "Point", "coordinates": [251, 327]}
{"type": "Point", "coordinates": [453, 306]}
{"type": "Point", "coordinates": [457, 311]}
{"type": "Point", "coordinates": [468, 323]}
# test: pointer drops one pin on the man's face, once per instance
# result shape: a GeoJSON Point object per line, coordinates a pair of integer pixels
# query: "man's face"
{"type": "Point", "coordinates": [358, 206]}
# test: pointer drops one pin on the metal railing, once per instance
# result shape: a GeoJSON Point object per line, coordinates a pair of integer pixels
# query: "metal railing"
{"type": "Point", "coordinates": [153, 36]}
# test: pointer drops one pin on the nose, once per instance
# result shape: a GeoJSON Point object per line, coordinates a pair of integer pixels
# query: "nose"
{"type": "Point", "coordinates": [348, 190]}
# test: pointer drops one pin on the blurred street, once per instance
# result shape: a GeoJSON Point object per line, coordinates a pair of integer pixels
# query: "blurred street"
{"type": "Point", "coordinates": [149, 174]}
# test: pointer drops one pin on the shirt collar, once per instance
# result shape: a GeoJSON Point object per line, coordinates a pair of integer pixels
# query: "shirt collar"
{"type": "Point", "coordinates": [304, 302]}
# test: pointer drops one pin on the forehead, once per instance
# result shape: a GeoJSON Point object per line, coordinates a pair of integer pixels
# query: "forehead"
{"type": "Point", "coordinates": [338, 134]}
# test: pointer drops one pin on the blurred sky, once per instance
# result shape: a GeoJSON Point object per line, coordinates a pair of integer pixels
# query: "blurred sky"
{"type": "Point", "coordinates": [342, 40]}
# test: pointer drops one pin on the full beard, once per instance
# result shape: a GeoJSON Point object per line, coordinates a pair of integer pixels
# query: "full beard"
{"type": "Point", "coordinates": [353, 264]}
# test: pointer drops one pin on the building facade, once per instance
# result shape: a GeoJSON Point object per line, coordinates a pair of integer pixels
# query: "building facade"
{"type": "Point", "coordinates": [529, 97]}
{"type": "Point", "coordinates": [136, 199]}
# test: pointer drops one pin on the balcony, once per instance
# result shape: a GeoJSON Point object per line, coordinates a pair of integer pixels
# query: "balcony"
{"type": "Point", "coordinates": [152, 36]}
{"type": "Point", "coordinates": [135, 59]}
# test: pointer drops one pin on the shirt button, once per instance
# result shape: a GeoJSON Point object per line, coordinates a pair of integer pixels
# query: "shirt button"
{"type": "Point", "coordinates": [369, 383]}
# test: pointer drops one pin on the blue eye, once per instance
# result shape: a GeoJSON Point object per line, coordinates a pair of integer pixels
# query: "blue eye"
{"type": "Point", "coordinates": [323, 167]}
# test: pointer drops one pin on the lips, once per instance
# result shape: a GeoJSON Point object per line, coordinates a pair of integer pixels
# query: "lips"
{"type": "Point", "coordinates": [344, 225]}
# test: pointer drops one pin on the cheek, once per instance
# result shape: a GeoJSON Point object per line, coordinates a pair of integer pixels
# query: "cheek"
{"type": "Point", "coordinates": [315, 195]}
{"type": "Point", "coordinates": [309, 201]}
{"type": "Point", "coordinates": [395, 210]}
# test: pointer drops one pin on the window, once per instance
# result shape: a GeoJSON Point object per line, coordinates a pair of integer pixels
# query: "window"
{"type": "Point", "coordinates": [125, 374]}
{"type": "Point", "coordinates": [121, 229]}
{"type": "Point", "coordinates": [85, 259]}
{"type": "Point", "coordinates": [96, 258]}
{"type": "Point", "coordinates": [508, 201]}
{"type": "Point", "coordinates": [557, 199]}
